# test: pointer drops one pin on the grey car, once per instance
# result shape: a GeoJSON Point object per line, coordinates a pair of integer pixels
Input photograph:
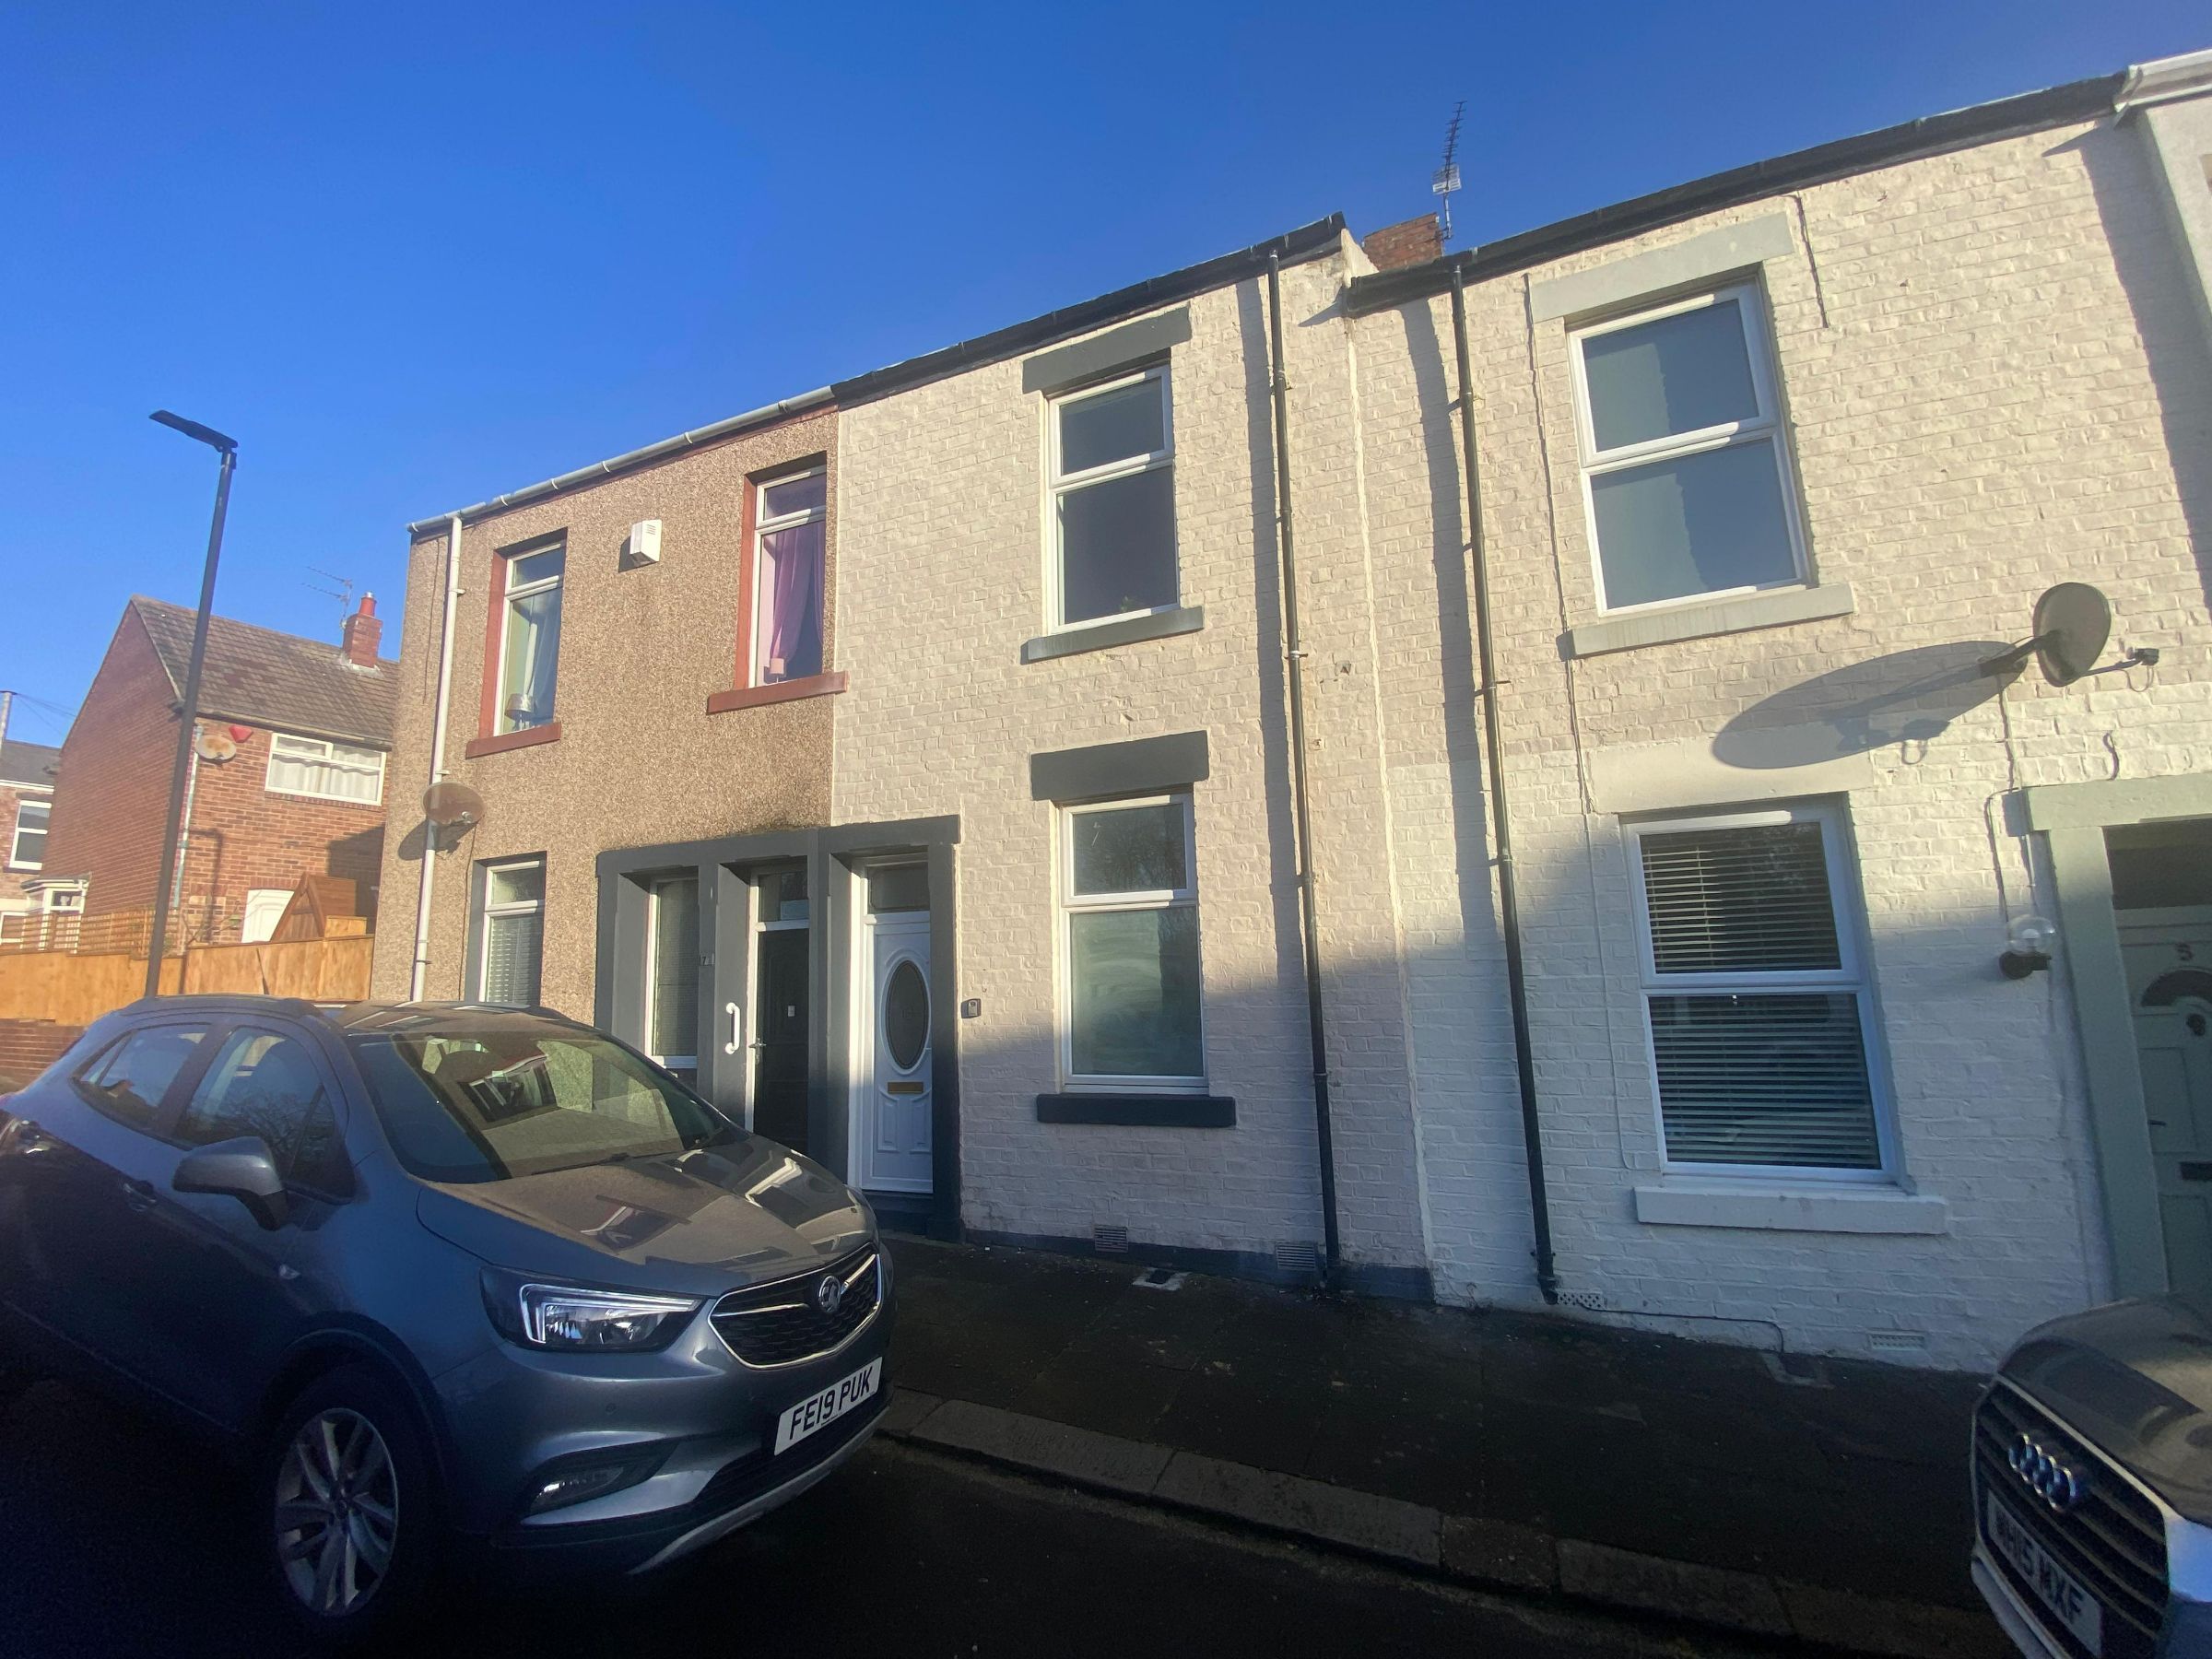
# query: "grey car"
{"type": "Point", "coordinates": [2092, 1475]}
{"type": "Point", "coordinates": [462, 1284]}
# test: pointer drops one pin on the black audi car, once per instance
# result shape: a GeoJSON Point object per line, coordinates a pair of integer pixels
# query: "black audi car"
{"type": "Point", "coordinates": [2092, 1472]}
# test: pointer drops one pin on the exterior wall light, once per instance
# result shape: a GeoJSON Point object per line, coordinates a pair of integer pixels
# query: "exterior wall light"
{"type": "Point", "coordinates": [2027, 942]}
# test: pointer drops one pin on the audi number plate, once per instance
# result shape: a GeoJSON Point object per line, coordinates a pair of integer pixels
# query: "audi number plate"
{"type": "Point", "coordinates": [2056, 1588]}
{"type": "Point", "coordinates": [816, 1410]}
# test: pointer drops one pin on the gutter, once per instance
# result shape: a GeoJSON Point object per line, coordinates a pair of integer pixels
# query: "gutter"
{"type": "Point", "coordinates": [2164, 80]}
{"type": "Point", "coordinates": [1928, 136]}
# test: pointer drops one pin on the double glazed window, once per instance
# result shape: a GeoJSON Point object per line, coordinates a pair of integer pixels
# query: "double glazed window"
{"type": "Point", "coordinates": [530, 640]}
{"type": "Point", "coordinates": [791, 530]}
{"type": "Point", "coordinates": [672, 979]}
{"type": "Point", "coordinates": [332, 771]}
{"type": "Point", "coordinates": [26, 847]}
{"type": "Point", "coordinates": [1683, 452]}
{"type": "Point", "coordinates": [1758, 1001]}
{"type": "Point", "coordinates": [1129, 904]}
{"type": "Point", "coordinates": [511, 932]}
{"type": "Point", "coordinates": [1114, 501]}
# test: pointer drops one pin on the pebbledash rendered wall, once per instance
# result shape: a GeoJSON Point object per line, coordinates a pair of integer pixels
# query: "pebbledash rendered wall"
{"type": "Point", "coordinates": [942, 501]}
{"type": "Point", "coordinates": [1989, 364]}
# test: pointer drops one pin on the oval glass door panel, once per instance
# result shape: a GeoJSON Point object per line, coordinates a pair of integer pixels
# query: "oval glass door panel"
{"type": "Point", "coordinates": [906, 1015]}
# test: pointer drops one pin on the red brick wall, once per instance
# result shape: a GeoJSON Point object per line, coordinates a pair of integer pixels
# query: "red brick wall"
{"type": "Point", "coordinates": [28, 1046]}
{"type": "Point", "coordinates": [1410, 242]}
{"type": "Point", "coordinates": [114, 792]}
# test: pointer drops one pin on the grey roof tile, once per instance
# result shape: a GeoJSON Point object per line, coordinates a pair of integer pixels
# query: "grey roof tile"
{"type": "Point", "coordinates": [258, 677]}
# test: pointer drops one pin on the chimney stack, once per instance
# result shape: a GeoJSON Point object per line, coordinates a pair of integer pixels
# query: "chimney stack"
{"type": "Point", "coordinates": [1410, 242]}
{"type": "Point", "coordinates": [358, 637]}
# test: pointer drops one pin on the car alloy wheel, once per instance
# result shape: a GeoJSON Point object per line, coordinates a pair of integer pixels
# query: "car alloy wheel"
{"type": "Point", "coordinates": [338, 1512]}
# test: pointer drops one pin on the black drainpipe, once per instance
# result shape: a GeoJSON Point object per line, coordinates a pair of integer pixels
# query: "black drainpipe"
{"type": "Point", "coordinates": [1501, 835]}
{"type": "Point", "coordinates": [1295, 652]}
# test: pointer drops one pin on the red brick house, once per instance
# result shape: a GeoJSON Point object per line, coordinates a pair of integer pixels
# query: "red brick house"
{"type": "Point", "coordinates": [27, 771]}
{"type": "Point", "coordinates": [286, 779]}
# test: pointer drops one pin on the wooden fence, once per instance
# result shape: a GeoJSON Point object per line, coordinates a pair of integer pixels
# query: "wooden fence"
{"type": "Point", "coordinates": [76, 990]}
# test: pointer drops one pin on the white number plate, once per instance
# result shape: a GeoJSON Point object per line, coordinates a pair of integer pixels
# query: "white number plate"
{"type": "Point", "coordinates": [833, 1402]}
{"type": "Point", "coordinates": [2054, 1586]}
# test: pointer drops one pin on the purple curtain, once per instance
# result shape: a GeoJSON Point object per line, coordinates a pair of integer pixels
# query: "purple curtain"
{"type": "Point", "coordinates": [794, 603]}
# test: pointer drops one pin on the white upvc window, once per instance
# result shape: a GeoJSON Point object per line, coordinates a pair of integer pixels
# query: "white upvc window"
{"type": "Point", "coordinates": [1757, 998]}
{"type": "Point", "coordinates": [672, 973]}
{"type": "Point", "coordinates": [791, 530]}
{"type": "Point", "coordinates": [1129, 961]}
{"type": "Point", "coordinates": [530, 639]}
{"type": "Point", "coordinates": [27, 843]}
{"type": "Point", "coordinates": [510, 930]}
{"type": "Point", "coordinates": [1686, 467]}
{"type": "Point", "coordinates": [1113, 532]}
{"type": "Point", "coordinates": [329, 772]}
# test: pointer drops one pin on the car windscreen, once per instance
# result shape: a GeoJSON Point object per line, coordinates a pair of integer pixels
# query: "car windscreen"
{"type": "Point", "coordinates": [474, 1105]}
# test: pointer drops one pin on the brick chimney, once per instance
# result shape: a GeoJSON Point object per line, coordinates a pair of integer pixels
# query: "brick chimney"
{"type": "Point", "coordinates": [359, 636]}
{"type": "Point", "coordinates": [1410, 242]}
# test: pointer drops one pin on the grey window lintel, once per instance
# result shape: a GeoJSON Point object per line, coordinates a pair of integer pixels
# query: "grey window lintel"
{"type": "Point", "coordinates": [1122, 347]}
{"type": "Point", "coordinates": [1122, 631]}
{"type": "Point", "coordinates": [1139, 767]}
{"type": "Point", "coordinates": [1699, 258]}
{"type": "Point", "coordinates": [1734, 614]}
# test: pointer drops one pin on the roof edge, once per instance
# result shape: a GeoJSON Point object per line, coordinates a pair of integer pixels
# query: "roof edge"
{"type": "Point", "coordinates": [1293, 247]}
{"type": "Point", "coordinates": [1910, 140]}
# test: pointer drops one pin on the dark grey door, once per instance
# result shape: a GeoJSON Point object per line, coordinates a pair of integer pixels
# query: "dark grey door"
{"type": "Point", "coordinates": [779, 1025]}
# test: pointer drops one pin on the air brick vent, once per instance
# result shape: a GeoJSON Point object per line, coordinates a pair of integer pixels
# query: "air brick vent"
{"type": "Point", "coordinates": [1110, 1240]}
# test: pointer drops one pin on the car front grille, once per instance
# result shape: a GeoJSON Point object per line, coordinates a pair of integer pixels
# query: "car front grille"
{"type": "Point", "coordinates": [2114, 1540]}
{"type": "Point", "coordinates": [782, 1324]}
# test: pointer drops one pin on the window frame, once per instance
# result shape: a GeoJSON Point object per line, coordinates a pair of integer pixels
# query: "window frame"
{"type": "Point", "coordinates": [653, 884]}
{"type": "Point", "coordinates": [1768, 426]}
{"type": "Point", "coordinates": [757, 564]}
{"type": "Point", "coordinates": [1059, 485]}
{"type": "Point", "coordinates": [329, 757]}
{"type": "Point", "coordinates": [24, 803]}
{"type": "Point", "coordinates": [1852, 975]}
{"type": "Point", "coordinates": [510, 591]}
{"type": "Point", "coordinates": [487, 910]}
{"type": "Point", "coordinates": [1068, 904]}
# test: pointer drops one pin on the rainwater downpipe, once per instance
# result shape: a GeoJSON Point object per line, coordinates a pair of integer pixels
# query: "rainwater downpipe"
{"type": "Point", "coordinates": [445, 685]}
{"type": "Point", "coordinates": [1295, 654]}
{"type": "Point", "coordinates": [1501, 835]}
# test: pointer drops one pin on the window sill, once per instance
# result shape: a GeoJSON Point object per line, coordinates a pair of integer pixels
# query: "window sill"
{"type": "Point", "coordinates": [1698, 620]}
{"type": "Point", "coordinates": [1792, 1207]}
{"type": "Point", "coordinates": [1122, 631]}
{"type": "Point", "coordinates": [789, 690]}
{"type": "Point", "coordinates": [500, 743]}
{"type": "Point", "coordinates": [1140, 1110]}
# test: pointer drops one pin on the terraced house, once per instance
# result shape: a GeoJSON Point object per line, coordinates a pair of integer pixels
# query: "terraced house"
{"type": "Point", "coordinates": [1499, 775]}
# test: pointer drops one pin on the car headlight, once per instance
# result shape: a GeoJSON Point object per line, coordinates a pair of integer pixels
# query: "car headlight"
{"type": "Point", "coordinates": [569, 1319]}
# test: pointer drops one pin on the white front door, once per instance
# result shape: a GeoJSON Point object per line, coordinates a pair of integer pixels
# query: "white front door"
{"type": "Point", "coordinates": [895, 1105]}
{"type": "Point", "coordinates": [2168, 957]}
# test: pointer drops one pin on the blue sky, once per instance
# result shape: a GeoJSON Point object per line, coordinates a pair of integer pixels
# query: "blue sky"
{"type": "Point", "coordinates": [411, 256]}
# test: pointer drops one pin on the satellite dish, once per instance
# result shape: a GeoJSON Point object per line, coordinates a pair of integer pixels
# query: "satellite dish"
{"type": "Point", "coordinates": [452, 805]}
{"type": "Point", "coordinates": [2073, 624]}
{"type": "Point", "coordinates": [214, 745]}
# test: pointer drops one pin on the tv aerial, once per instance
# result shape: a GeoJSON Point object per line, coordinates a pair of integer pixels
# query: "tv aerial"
{"type": "Point", "coordinates": [2072, 625]}
{"type": "Point", "coordinates": [1445, 180]}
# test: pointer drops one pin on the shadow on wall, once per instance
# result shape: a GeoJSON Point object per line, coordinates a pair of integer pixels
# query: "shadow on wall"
{"type": "Point", "coordinates": [2123, 178]}
{"type": "Point", "coordinates": [1905, 696]}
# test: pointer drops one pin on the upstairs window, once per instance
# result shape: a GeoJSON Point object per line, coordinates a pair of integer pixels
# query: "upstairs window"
{"type": "Point", "coordinates": [26, 847]}
{"type": "Point", "coordinates": [791, 532]}
{"type": "Point", "coordinates": [1683, 453]}
{"type": "Point", "coordinates": [1759, 1004]}
{"type": "Point", "coordinates": [331, 771]}
{"type": "Point", "coordinates": [1114, 501]}
{"type": "Point", "coordinates": [511, 925]}
{"type": "Point", "coordinates": [1129, 904]}
{"type": "Point", "coordinates": [530, 640]}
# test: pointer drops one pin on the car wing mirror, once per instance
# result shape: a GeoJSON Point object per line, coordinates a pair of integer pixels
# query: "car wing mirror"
{"type": "Point", "coordinates": [241, 1169]}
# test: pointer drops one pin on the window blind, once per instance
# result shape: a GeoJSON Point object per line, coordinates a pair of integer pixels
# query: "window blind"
{"type": "Point", "coordinates": [1756, 1065]}
{"type": "Point", "coordinates": [511, 958]}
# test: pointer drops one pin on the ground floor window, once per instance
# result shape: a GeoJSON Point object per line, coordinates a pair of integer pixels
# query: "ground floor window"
{"type": "Point", "coordinates": [1129, 946]}
{"type": "Point", "coordinates": [510, 927]}
{"type": "Point", "coordinates": [1755, 991]}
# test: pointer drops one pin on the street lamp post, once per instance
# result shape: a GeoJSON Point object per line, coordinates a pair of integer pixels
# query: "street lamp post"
{"type": "Point", "coordinates": [188, 717]}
